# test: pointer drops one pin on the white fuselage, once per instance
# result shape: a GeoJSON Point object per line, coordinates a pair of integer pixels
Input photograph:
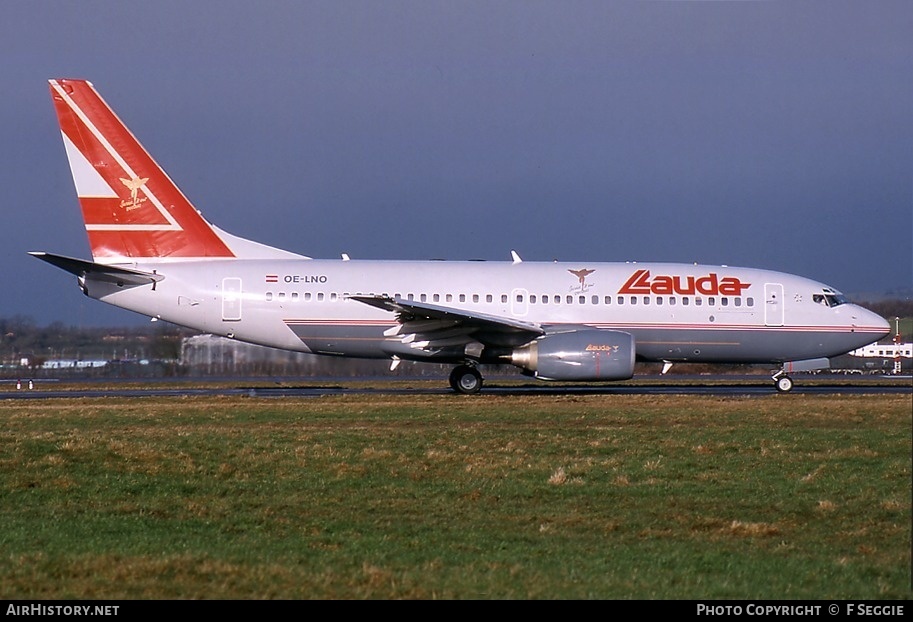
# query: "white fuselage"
{"type": "Point", "coordinates": [676, 312]}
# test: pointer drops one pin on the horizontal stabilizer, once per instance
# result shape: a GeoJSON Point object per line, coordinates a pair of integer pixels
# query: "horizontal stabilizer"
{"type": "Point", "coordinates": [99, 272]}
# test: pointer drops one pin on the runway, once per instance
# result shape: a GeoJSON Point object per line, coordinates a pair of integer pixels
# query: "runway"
{"type": "Point", "coordinates": [287, 388]}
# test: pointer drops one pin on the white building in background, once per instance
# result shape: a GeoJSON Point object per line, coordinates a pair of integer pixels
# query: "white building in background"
{"type": "Point", "coordinates": [216, 351]}
{"type": "Point", "coordinates": [885, 350]}
{"type": "Point", "coordinates": [895, 352]}
{"type": "Point", "coordinates": [70, 364]}
{"type": "Point", "coordinates": [213, 354]}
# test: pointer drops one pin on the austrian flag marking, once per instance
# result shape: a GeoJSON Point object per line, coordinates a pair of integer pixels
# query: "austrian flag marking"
{"type": "Point", "coordinates": [709, 285]}
{"type": "Point", "coordinates": [272, 278]}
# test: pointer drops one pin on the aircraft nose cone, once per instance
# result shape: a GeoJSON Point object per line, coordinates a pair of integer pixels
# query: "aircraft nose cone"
{"type": "Point", "coordinates": [863, 318]}
{"type": "Point", "coordinates": [880, 322]}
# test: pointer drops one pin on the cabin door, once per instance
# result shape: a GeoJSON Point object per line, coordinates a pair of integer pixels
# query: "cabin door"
{"type": "Point", "coordinates": [231, 299]}
{"type": "Point", "coordinates": [773, 304]}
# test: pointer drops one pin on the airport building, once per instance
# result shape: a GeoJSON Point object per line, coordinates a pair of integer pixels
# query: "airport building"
{"type": "Point", "coordinates": [894, 357]}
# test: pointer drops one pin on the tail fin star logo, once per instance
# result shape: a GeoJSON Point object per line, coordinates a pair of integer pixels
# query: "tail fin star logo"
{"type": "Point", "coordinates": [133, 185]}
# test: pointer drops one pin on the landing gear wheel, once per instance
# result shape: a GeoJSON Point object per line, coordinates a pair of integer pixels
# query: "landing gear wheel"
{"type": "Point", "coordinates": [784, 384]}
{"type": "Point", "coordinates": [465, 379]}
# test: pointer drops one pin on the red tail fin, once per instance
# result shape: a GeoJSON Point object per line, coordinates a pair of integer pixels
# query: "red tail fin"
{"type": "Point", "coordinates": [131, 208]}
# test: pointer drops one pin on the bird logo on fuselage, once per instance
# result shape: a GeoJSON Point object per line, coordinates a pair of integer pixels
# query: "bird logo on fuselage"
{"type": "Point", "coordinates": [581, 278]}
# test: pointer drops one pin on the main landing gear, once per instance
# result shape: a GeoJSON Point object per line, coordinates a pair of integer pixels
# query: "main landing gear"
{"type": "Point", "coordinates": [466, 379]}
{"type": "Point", "coordinates": [783, 382]}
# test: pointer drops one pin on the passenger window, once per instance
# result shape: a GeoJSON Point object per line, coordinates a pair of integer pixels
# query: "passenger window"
{"type": "Point", "coordinates": [532, 298]}
{"type": "Point", "coordinates": [269, 296]}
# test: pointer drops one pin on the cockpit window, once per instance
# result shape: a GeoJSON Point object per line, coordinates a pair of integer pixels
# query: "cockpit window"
{"type": "Point", "coordinates": [829, 299]}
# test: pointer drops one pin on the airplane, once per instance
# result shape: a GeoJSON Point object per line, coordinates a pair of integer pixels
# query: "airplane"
{"type": "Point", "coordinates": [155, 254]}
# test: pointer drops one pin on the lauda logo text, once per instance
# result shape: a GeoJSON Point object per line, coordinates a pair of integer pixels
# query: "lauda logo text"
{"type": "Point", "coordinates": [710, 285]}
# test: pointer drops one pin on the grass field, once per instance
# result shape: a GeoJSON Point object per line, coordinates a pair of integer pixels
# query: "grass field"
{"type": "Point", "coordinates": [445, 496]}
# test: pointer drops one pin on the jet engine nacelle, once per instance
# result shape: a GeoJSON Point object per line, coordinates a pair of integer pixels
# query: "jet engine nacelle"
{"type": "Point", "coordinates": [587, 354]}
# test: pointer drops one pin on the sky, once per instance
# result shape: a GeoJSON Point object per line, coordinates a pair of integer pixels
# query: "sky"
{"type": "Point", "coordinates": [774, 135]}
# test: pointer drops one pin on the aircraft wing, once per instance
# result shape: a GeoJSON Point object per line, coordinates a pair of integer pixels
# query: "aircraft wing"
{"type": "Point", "coordinates": [429, 327]}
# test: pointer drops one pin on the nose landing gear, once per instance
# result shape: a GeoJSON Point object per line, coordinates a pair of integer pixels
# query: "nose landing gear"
{"type": "Point", "coordinates": [783, 382]}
